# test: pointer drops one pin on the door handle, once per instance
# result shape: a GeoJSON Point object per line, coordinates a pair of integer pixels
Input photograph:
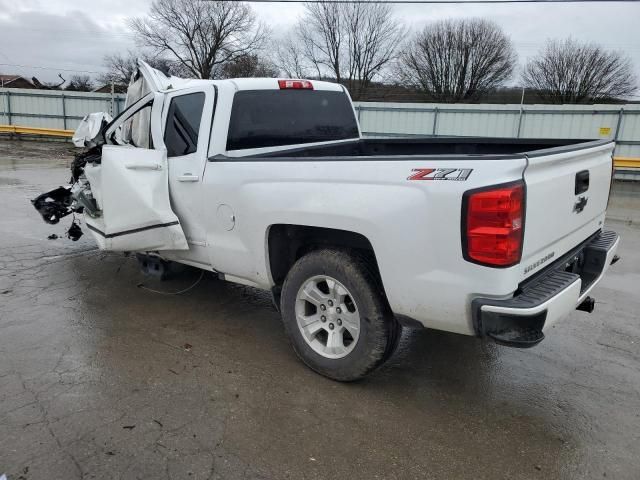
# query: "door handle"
{"type": "Point", "coordinates": [143, 166]}
{"type": "Point", "coordinates": [582, 182]}
{"type": "Point", "coordinates": [187, 177]}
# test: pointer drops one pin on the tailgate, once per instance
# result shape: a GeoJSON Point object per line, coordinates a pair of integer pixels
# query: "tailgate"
{"type": "Point", "coordinates": [567, 195]}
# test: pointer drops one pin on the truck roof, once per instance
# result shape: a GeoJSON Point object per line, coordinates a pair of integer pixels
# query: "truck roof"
{"type": "Point", "coordinates": [272, 84]}
{"type": "Point", "coordinates": [249, 83]}
{"type": "Point", "coordinates": [158, 81]}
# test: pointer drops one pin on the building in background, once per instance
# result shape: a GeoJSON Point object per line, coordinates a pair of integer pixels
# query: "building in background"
{"type": "Point", "coordinates": [15, 81]}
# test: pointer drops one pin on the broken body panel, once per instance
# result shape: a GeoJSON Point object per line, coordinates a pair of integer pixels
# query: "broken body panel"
{"type": "Point", "coordinates": [123, 187]}
{"type": "Point", "coordinates": [135, 210]}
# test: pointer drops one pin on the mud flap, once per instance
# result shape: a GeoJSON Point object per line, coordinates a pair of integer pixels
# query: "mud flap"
{"type": "Point", "coordinates": [131, 188]}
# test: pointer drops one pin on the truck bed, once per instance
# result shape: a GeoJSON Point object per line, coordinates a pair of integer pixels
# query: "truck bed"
{"type": "Point", "coordinates": [450, 146]}
{"type": "Point", "coordinates": [366, 186]}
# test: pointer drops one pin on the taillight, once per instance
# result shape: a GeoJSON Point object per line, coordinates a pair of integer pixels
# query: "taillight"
{"type": "Point", "coordinates": [493, 225]}
{"type": "Point", "coordinates": [295, 84]}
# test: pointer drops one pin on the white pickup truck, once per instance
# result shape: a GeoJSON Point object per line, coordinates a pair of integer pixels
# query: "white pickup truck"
{"type": "Point", "coordinates": [269, 183]}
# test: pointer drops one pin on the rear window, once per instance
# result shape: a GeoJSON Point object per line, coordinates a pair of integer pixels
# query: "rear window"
{"type": "Point", "coordinates": [269, 118]}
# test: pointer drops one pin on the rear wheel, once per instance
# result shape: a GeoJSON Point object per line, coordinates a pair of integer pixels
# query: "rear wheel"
{"type": "Point", "coordinates": [336, 315]}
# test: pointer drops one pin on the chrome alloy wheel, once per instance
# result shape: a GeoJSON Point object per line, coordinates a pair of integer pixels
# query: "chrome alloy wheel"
{"type": "Point", "coordinates": [327, 317]}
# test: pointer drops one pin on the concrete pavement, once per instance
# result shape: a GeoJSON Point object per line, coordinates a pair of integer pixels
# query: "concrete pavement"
{"type": "Point", "coordinates": [102, 379]}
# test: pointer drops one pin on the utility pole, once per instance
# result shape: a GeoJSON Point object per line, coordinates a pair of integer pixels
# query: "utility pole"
{"type": "Point", "coordinates": [521, 114]}
{"type": "Point", "coordinates": [113, 100]}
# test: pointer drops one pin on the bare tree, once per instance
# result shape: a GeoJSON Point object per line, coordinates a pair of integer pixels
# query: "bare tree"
{"type": "Point", "coordinates": [120, 67]}
{"type": "Point", "coordinates": [247, 66]}
{"type": "Point", "coordinates": [349, 42]}
{"type": "Point", "coordinates": [373, 37]}
{"type": "Point", "coordinates": [200, 35]}
{"type": "Point", "coordinates": [571, 72]}
{"type": "Point", "coordinates": [321, 34]}
{"type": "Point", "coordinates": [457, 60]}
{"type": "Point", "coordinates": [290, 57]}
{"type": "Point", "coordinates": [80, 83]}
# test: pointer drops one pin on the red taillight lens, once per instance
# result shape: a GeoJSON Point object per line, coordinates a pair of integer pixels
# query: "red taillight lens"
{"type": "Point", "coordinates": [295, 84]}
{"type": "Point", "coordinates": [494, 225]}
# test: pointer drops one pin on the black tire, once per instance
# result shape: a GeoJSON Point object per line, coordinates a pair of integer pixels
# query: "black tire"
{"type": "Point", "coordinates": [379, 331]}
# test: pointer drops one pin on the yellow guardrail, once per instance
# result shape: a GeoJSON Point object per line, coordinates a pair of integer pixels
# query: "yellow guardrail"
{"type": "Point", "coordinates": [47, 132]}
{"type": "Point", "coordinates": [626, 162]}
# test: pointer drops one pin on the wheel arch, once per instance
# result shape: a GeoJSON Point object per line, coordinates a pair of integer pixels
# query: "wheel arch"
{"type": "Point", "coordinates": [286, 243]}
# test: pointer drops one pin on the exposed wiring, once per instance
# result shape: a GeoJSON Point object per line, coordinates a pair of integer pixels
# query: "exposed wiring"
{"type": "Point", "coordinates": [144, 287]}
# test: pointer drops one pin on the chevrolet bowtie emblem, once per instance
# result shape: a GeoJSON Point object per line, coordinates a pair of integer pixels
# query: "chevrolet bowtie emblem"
{"type": "Point", "coordinates": [580, 204]}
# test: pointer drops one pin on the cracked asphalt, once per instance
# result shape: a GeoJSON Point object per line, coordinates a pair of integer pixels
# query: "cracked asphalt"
{"type": "Point", "coordinates": [102, 379]}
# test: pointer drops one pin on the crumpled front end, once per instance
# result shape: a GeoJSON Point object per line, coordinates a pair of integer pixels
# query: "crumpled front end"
{"type": "Point", "coordinates": [76, 197]}
{"type": "Point", "coordinates": [121, 181]}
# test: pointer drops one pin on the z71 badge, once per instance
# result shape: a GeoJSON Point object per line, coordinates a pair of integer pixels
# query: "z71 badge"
{"type": "Point", "coordinates": [457, 174]}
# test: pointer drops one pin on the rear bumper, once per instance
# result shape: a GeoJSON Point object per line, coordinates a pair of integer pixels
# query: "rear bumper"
{"type": "Point", "coordinates": [548, 296]}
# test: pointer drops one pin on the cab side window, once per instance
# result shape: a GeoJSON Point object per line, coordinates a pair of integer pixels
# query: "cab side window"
{"type": "Point", "coordinates": [183, 124]}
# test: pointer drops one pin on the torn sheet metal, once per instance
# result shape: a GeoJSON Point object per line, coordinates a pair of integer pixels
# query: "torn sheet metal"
{"type": "Point", "coordinates": [120, 183]}
{"type": "Point", "coordinates": [89, 130]}
{"type": "Point", "coordinates": [75, 198]}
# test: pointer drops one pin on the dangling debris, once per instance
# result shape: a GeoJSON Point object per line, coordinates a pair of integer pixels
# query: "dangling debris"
{"type": "Point", "coordinates": [74, 232]}
{"type": "Point", "coordinates": [54, 205]}
{"type": "Point", "coordinates": [77, 198]}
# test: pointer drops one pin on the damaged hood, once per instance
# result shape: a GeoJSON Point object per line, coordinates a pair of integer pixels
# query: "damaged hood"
{"type": "Point", "coordinates": [144, 80]}
{"type": "Point", "coordinates": [155, 80]}
{"type": "Point", "coordinates": [88, 133]}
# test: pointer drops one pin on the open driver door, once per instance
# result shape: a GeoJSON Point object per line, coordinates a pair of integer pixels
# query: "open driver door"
{"type": "Point", "coordinates": [131, 184]}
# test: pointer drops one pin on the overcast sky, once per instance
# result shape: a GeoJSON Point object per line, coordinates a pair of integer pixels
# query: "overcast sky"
{"type": "Point", "coordinates": [76, 34]}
